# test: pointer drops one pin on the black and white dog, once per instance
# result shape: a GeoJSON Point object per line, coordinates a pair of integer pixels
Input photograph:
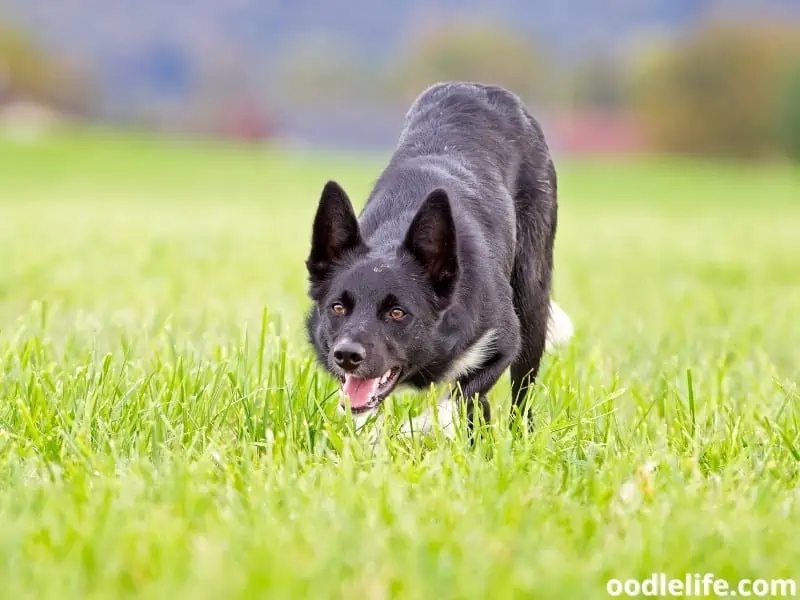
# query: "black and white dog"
{"type": "Point", "coordinates": [446, 274]}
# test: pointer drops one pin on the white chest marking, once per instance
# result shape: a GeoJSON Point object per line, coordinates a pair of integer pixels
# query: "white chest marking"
{"type": "Point", "coordinates": [474, 357]}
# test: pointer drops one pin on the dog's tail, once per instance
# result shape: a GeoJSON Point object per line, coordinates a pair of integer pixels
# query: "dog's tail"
{"type": "Point", "coordinates": [559, 328]}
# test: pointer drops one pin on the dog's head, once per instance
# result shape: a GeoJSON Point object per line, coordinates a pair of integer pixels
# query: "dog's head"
{"type": "Point", "coordinates": [375, 308]}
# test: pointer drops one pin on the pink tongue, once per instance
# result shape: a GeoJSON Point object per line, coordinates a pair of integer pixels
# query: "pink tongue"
{"type": "Point", "coordinates": [359, 390]}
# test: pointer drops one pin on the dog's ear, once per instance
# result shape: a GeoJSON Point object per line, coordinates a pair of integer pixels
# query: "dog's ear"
{"type": "Point", "coordinates": [335, 231]}
{"type": "Point", "coordinates": [431, 240]}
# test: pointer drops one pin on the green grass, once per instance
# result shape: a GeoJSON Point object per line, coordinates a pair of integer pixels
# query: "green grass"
{"type": "Point", "coordinates": [165, 434]}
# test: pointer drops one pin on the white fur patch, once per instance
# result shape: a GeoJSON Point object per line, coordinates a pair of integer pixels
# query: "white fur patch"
{"type": "Point", "coordinates": [559, 328]}
{"type": "Point", "coordinates": [360, 419]}
{"type": "Point", "coordinates": [474, 357]}
{"type": "Point", "coordinates": [446, 411]}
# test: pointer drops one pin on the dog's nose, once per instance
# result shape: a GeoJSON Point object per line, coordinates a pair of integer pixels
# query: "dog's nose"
{"type": "Point", "coordinates": [348, 355]}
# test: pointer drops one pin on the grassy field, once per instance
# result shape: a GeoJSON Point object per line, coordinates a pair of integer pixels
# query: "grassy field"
{"type": "Point", "coordinates": [164, 433]}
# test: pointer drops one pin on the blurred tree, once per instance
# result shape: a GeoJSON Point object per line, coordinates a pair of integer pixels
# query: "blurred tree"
{"type": "Point", "coordinates": [719, 91]}
{"type": "Point", "coordinates": [320, 71]}
{"type": "Point", "coordinates": [599, 82]}
{"type": "Point", "coordinates": [476, 51]}
{"type": "Point", "coordinates": [789, 115]}
{"type": "Point", "coordinates": [28, 73]}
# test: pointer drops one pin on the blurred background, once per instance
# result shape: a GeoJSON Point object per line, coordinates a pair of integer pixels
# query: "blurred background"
{"type": "Point", "coordinates": [700, 77]}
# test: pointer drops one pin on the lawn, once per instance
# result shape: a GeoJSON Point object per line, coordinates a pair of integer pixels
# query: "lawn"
{"type": "Point", "coordinates": [164, 432]}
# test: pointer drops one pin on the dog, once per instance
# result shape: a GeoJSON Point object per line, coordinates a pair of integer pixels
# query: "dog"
{"type": "Point", "coordinates": [445, 275]}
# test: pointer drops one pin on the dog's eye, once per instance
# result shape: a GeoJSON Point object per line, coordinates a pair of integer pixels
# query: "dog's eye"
{"type": "Point", "coordinates": [397, 313]}
{"type": "Point", "coordinates": [338, 308]}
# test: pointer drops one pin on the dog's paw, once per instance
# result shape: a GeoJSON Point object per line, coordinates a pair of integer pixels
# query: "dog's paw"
{"type": "Point", "coordinates": [444, 416]}
{"type": "Point", "coordinates": [559, 328]}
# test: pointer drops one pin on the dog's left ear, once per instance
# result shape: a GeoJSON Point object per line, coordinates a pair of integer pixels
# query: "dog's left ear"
{"type": "Point", "coordinates": [335, 231]}
{"type": "Point", "coordinates": [431, 240]}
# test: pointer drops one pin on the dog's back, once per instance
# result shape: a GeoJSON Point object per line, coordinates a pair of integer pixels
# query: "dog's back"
{"type": "Point", "coordinates": [473, 136]}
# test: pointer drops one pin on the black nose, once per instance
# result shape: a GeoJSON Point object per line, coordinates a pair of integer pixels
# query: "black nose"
{"type": "Point", "coordinates": [348, 355]}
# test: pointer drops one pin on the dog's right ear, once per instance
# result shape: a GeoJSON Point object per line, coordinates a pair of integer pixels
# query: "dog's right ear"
{"type": "Point", "coordinates": [335, 231]}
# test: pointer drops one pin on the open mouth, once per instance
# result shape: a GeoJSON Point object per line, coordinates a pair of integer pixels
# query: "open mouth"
{"type": "Point", "coordinates": [366, 394]}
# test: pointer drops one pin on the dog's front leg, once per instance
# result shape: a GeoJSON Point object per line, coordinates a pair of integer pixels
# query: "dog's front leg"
{"type": "Point", "coordinates": [473, 387]}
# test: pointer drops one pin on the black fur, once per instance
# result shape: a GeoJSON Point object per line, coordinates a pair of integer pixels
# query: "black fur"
{"type": "Point", "coordinates": [458, 232]}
